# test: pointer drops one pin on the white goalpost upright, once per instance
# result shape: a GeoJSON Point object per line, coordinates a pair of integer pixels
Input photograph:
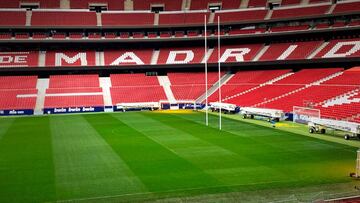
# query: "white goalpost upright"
{"type": "Point", "coordinates": [219, 72]}
{"type": "Point", "coordinates": [206, 75]}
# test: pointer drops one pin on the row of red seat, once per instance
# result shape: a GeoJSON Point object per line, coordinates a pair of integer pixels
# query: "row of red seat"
{"type": "Point", "coordinates": [245, 88]}
{"type": "Point", "coordinates": [168, 5]}
{"type": "Point", "coordinates": [167, 34]}
{"type": "Point", "coordinates": [146, 18]}
{"type": "Point", "coordinates": [189, 55]}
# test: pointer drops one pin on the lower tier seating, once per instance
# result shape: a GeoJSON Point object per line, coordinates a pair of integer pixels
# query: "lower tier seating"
{"type": "Point", "coordinates": [18, 99]}
{"type": "Point", "coordinates": [137, 94]}
{"type": "Point", "coordinates": [73, 97]}
{"type": "Point", "coordinates": [73, 101]}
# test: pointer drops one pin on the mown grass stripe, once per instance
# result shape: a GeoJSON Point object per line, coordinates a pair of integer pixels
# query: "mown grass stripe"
{"type": "Point", "coordinates": [5, 123]}
{"type": "Point", "coordinates": [85, 165]}
{"type": "Point", "coordinates": [157, 167]}
{"type": "Point", "coordinates": [214, 160]}
{"type": "Point", "coordinates": [26, 164]}
{"type": "Point", "coordinates": [306, 159]}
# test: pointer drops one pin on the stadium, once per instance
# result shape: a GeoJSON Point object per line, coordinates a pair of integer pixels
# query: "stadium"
{"type": "Point", "coordinates": [179, 101]}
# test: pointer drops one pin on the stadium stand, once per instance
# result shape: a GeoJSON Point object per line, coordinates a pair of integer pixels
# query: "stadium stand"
{"type": "Point", "coordinates": [182, 18]}
{"type": "Point", "coordinates": [70, 58]}
{"type": "Point", "coordinates": [340, 48]}
{"type": "Point", "coordinates": [118, 80]}
{"type": "Point", "coordinates": [289, 28]}
{"type": "Point", "coordinates": [111, 4]}
{"type": "Point", "coordinates": [74, 81]}
{"type": "Point", "coordinates": [133, 94]}
{"type": "Point", "coordinates": [247, 31]}
{"type": "Point", "coordinates": [251, 50]}
{"type": "Point", "coordinates": [290, 2]}
{"type": "Point", "coordinates": [204, 4]}
{"type": "Point", "coordinates": [168, 5]}
{"type": "Point", "coordinates": [346, 7]}
{"type": "Point", "coordinates": [63, 18]}
{"type": "Point", "coordinates": [245, 80]}
{"type": "Point", "coordinates": [257, 3]}
{"type": "Point", "coordinates": [289, 51]}
{"type": "Point", "coordinates": [181, 55]}
{"type": "Point", "coordinates": [292, 12]}
{"type": "Point", "coordinates": [127, 18]}
{"type": "Point", "coordinates": [41, 3]}
{"type": "Point", "coordinates": [242, 15]}
{"type": "Point", "coordinates": [5, 36]}
{"type": "Point", "coordinates": [73, 91]}
{"type": "Point", "coordinates": [129, 88]}
{"type": "Point", "coordinates": [17, 92]}
{"type": "Point", "coordinates": [12, 17]}
{"type": "Point", "coordinates": [128, 57]}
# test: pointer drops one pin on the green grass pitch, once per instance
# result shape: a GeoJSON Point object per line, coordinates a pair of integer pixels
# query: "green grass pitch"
{"type": "Point", "coordinates": [139, 156]}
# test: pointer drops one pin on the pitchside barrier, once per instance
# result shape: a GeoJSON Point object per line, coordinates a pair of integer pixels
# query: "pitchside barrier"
{"type": "Point", "coordinates": [16, 112]}
{"type": "Point", "coordinates": [73, 110]}
{"type": "Point", "coordinates": [181, 104]}
{"type": "Point", "coordinates": [303, 114]}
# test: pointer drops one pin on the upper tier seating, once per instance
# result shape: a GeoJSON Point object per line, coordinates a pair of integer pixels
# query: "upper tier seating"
{"type": "Point", "coordinates": [18, 82]}
{"type": "Point", "coordinates": [286, 12]}
{"type": "Point", "coordinates": [257, 3]}
{"type": "Point", "coordinates": [289, 28]}
{"type": "Point", "coordinates": [70, 58]}
{"type": "Point", "coordinates": [169, 5]}
{"type": "Point", "coordinates": [84, 4]}
{"type": "Point", "coordinates": [241, 15]}
{"type": "Point", "coordinates": [12, 18]}
{"type": "Point", "coordinates": [345, 7]}
{"type": "Point", "coordinates": [340, 48]}
{"type": "Point", "coordinates": [290, 2]}
{"type": "Point", "coordinates": [247, 31]}
{"type": "Point", "coordinates": [204, 4]}
{"type": "Point", "coordinates": [296, 50]}
{"type": "Point", "coordinates": [116, 58]}
{"type": "Point", "coordinates": [74, 81]}
{"type": "Point", "coordinates": [127, 18]}
{"type": "Point", "coordinates": [42, 3]}
{"type": "Point", "coordinates": [166, 54]}
{"type": "Point", "coordinates": [254, 49]}
{"type": "Point", "coordinates": [176, 18]}
{"type": "Point", "coordinates": [133, 80]}
{"type": "Point", "coordinates": [63, 18]}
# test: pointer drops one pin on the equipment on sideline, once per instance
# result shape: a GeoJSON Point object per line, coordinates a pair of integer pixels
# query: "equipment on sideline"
{"type": "Point", "coordinates": [320, 125]}
{"type": "Point", "coordinates": [224, 107]}
{"type": "Point", "coordinates": [272, 114]}
{"type": "Point", "coordinates": [138, 106]}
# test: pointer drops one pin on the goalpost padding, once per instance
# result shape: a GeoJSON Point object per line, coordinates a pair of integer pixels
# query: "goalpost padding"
{"type": "Point", "coordinates": [303, 114]}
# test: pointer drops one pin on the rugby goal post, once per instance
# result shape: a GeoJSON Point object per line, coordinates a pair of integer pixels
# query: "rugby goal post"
{"type": "Point", "coordinates": [303, 114]}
